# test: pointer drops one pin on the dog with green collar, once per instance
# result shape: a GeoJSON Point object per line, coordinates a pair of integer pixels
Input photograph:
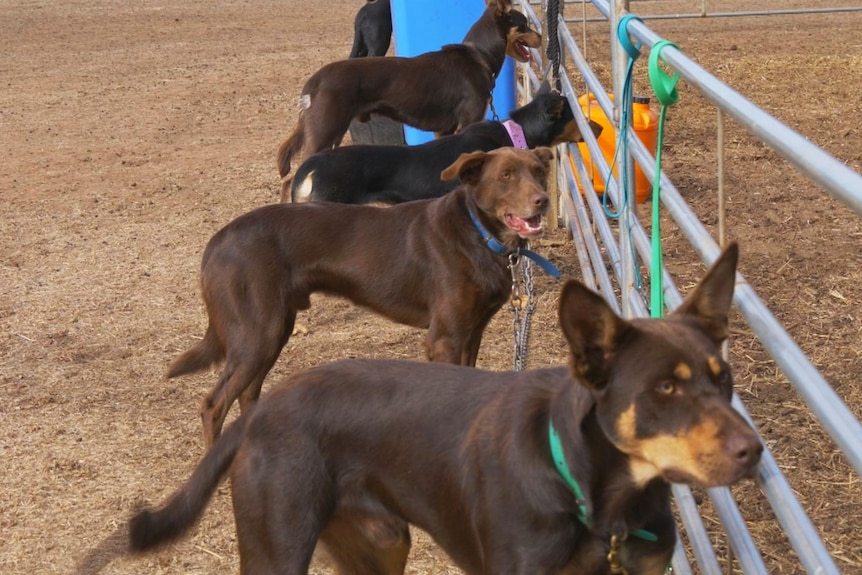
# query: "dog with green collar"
{"type": "Point", "coordinates": [548, 471]}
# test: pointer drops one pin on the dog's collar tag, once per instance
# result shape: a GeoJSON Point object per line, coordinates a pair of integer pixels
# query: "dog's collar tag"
{"type": "Point", "coordinates": [563, 469]}
{"type": "Point", "coordinates": [516, 133]}
{"type": "Point", "coordinates": [498, 248]}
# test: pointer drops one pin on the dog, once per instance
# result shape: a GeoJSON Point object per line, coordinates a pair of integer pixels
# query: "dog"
{"type": "Point", "coordinates": [372, 34]}
{"type": "Point", "coordinates": [362, 174]}
{"type": "Point", "coordinates": [549, 471]}
{"type": "Point", "coordinates": [442, 91]}
{"type": "Point", "coordinates": [424, 264]}
{"type": "Point", "coordinates": [372, 29]}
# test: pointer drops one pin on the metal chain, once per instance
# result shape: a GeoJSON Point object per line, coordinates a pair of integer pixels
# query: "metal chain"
{"type": "Point", "coordinates": [525, 303]}
{"type": "Point", "coordinates": [552, 50]}
{"type": "Point", "coordinates": [494, 115]}
{"type": "Point", "coordinates": [614, 559]}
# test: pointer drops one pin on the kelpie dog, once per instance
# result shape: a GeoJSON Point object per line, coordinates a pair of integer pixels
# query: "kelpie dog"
{"type": "Point", "coordinates": [424, 264]}
{"type": "Point", "coordinates": [362, 174]}
{"type": "Point", "coordinates": [542, 472]}
{"type": "Point", "coordinates": [442, 91]}
{"type": "Point", "coordinates": [372, 29]}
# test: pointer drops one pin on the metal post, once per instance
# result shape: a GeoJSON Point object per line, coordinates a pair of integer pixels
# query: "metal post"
{"type": "Point", "coordinates": [618, 59]}
{"type": "Point", "coordinates": [722, 216]}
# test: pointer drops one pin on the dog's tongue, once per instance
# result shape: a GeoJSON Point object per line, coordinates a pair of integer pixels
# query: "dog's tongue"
{"type": "Point", "coordinates": [525, 227]}
{"type": "Point", "coordinates": [524, 51]}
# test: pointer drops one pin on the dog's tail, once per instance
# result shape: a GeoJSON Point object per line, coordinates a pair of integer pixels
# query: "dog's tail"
{"type": "Point", "coordinates": [358, 50]}
{"type": "Point", "coordinates": [203, 354]}
{"type": "Point", "coordinates": [152, 528]}
{"type": "Point", "coordinates": [291, 146]}
{"type": "Point", "coordinates": [302, 186]}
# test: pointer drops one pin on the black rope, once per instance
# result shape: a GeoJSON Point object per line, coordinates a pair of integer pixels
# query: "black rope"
{"type": "Point", "coordinates": [552, 17]}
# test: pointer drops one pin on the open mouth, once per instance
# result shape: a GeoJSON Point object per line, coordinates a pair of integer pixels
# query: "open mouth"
{"type": "Point", "coordinates": [525, 228]}
{"type": "Point", "coordinates": [522, 51]}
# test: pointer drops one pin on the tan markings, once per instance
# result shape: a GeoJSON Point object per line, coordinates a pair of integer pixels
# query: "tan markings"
{"type": "Point", "coordinates": [714, 365]}
{"type": "Point", "coordinates": [626, 426]}
{"type": "Point", "coordinates": [682, 372]}
{"type": "Point", "coordinates": [642, 471]}
{"type": "Point", "coordinates": [696, 453]}
{"type": "Point", "coordinates": [571, 133]}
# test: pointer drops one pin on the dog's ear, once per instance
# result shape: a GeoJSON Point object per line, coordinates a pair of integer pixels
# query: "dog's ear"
{"type": "Point", "coordinates": [501, 6]}
{"type": "Point", "coordinates": [555, 107]}
{"type": "Point", "coordinates": [467, 168]}
{"type": "Point", "coordinates": [544, 87]}
{"type": "Point", "coordinates": [593, 331]}
{"type": "Point", "coordinates": [709, 303]}
{"type": "Point", "coordinates": [545, 156]}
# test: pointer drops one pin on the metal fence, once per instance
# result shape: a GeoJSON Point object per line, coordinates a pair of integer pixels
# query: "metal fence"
{"type": "Point", "coordinates": [601, 247]}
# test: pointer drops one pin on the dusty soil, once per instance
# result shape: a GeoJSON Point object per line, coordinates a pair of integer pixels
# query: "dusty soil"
{"type": "Point", "coordinates": [131, 132]}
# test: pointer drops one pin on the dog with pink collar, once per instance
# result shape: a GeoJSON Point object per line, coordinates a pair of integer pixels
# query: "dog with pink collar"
{"type": "Point", "coordinates": [363, 174]}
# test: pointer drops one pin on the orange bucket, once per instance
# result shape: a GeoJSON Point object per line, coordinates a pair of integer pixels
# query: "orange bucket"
{"type": "Point", "coordinates": [645, 123]}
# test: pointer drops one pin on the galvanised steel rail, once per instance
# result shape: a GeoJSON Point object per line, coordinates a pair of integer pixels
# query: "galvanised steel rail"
{"type": "Point", "coordinates": [704, 13]}
{"type": "Point", "coordinates": [694, 15]}
{"type": "Point", "coordinates": [815, 163]}
{"type": "Point", "coordinates": [836, 178]}
{"type": "Point", "coordinates": [846, 185]}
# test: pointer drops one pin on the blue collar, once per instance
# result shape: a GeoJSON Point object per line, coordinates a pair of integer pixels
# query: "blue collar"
{"type": "Point", "coordinates": [498, 248]}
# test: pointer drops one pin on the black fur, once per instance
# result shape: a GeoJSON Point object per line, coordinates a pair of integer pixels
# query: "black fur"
{"type": "Point", "coordinates": [363, 174]}
{"type": "Point", "coordinates": [372, 29]}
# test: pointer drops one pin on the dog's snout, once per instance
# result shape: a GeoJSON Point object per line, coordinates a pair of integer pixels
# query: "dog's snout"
{"type": "Point", "coordinates": [745, 449]}
{"type": "Point", "coordinates": [540, 201]}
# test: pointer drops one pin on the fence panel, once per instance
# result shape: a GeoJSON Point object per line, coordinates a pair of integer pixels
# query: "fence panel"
{"type": "Point", "coordinates": [600, 245]}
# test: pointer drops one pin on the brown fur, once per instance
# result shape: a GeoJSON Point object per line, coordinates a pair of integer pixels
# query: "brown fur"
{"type": "Point", "coordinates": [349, 454]}
{"type": "Point", "coordinates": [442, 91]}
{"type": "Point", "coordinates": [421, 263]}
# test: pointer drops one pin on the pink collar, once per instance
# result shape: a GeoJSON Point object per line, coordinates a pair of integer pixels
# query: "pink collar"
{"type": "Point", "coordinates": [516, 133]}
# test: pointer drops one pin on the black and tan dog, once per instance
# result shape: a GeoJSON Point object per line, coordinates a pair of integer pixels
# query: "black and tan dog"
{"type": "Point", "coordinates": [424, 264]}
{"type": "Point", "coordinates": [361, 174]}
{"type": "Point", "coordinates": [542, 472]}
{"type": "Point", "coordinates": [442, 91]}
{"type": "Point", "coordinates": [372, 29]}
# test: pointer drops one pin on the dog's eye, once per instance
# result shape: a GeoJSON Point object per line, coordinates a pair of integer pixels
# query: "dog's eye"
{"type": "Point", "coordinates": [505, 175]}
{"type": "Point", "coordinates": [666, 387]}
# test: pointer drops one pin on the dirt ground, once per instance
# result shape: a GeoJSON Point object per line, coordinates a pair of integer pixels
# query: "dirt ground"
{"type": "Point", "coordinates": [131, 131]}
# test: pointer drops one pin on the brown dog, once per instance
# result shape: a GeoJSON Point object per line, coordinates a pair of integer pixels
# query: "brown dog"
{"type": "Point", "coordinates": [541, 472]}
{"type": "Point", "coordinates": [423, 264]}
{"type": "Point", "coordinates": [442, 91]}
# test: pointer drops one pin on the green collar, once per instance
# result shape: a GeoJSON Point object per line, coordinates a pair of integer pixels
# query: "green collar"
{"type": "Point", "coordinates": [563, 470]}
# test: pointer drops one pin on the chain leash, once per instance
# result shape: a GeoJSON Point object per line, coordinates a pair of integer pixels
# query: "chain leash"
{"type": "Point", "coordinates": [494, 115]}
{"type": "Point", "coordinates": [521, 303]}
{"type": "Point", "coordinates": [614, 560]}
